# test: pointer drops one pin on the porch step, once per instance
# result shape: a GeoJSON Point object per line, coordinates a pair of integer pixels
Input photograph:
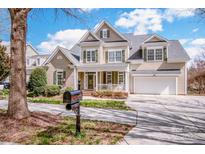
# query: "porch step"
{"type": "Point", "coordinates": [87, 92]}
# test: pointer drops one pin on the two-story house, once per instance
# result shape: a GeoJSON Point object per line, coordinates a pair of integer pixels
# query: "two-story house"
{"type": "Point", "coordinates": [105, 59]}
{"type": "Point", "coordinates": [33, 59]}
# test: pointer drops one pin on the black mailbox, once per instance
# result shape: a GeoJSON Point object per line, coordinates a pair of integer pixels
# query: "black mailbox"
{"type": "Point", "coordinates": [72, 99]}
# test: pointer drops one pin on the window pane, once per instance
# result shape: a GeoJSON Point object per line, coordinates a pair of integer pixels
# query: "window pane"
{"type": "Point", "coordinates": [109, 77]}
{"type": "Point", "coordinates": [111, 56]}
{"type": "Point", "coordinates": [104, 33]}
{"type": "Point", "coordinates": [88, 56]}
{"type": "Point", "coordinates": [60, 78]}
{"type": "Point", "coordinates": [150, 55]}
{"type": "Point", "coordinates": [158, 54]}
{"type": "Point", "coordinates": [121, 77]}
{"type": "Point", "coordinates": [93, 56]}
{"type": "Point", "coordinates": [118, 56]}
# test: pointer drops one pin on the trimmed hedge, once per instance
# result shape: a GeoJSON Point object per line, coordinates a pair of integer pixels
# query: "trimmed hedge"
{"type": "Point", "coordinates": [51, 90]}
{"type": "Point", "coordinates": [110, 94]}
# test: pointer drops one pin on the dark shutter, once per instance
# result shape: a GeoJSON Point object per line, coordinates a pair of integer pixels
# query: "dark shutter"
{"type": "Point", "coordinates": [108, 33]}
{"type": "Point", "coordinates": [165, 53]}
{"type": "Point", "coordinates": [96, 53]}
{"type": "Point", "coordinates": [54, 77]}
{"type": "Point", "coordinates": [106, 56]}
{"type": "Point", "coordinates": [84, 56]}
{"type": "Point", "coordinates": [123, 55]}
{"type": "Point", "coordinates": [145, 54]}
{"type": "Point", "coordinates": [64, 74]}
{"type": "Point", "coordinates": [101, 34]}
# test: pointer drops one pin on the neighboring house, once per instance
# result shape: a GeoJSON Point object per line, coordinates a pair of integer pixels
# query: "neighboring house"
{"type": "Point", "coordinates": [105, 59]}
{"type": "Point", "coordinates": [33, 59]}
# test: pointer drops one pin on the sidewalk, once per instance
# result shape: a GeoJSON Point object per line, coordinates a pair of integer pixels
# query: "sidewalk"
{"type": "Point", "coordinates": [118, 116]}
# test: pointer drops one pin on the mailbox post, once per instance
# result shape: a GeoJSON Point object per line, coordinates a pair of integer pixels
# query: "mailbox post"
{"type": "Point", "coordinates": [72, 102]}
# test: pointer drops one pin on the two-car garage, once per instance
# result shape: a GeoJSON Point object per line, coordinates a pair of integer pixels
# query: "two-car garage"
{"type": "Point", "coordinates": [155, 85]}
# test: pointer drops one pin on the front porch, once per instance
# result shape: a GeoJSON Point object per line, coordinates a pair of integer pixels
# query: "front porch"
{"type": "Point", "coordinates": [104, 80]}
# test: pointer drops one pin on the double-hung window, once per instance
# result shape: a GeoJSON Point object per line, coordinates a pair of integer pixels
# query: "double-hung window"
{"type": "Point", "coordinates": [109, 77]}
{"type": "Point", "coordinates": [155, 54]}
{"type": "Point", "coordinates": [104, 33]}
{"type": "Point", "coordinates": [121, 77]}
{"type": "Point", "coordinates": [115, 56]}
{"type": "Point", "coordinates": [91, 56]}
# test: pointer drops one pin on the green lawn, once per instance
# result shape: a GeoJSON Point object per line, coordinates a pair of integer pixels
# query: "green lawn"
{"type": "Point", "coordinates": [111, 104]}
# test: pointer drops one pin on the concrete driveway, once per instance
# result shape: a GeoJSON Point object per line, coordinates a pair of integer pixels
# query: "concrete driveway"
{"type": "Point", "coordinates": [167, 120]}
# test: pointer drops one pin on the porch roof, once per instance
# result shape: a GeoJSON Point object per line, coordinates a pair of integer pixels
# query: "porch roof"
{"type": "Point", "coordinates": [102, 67]}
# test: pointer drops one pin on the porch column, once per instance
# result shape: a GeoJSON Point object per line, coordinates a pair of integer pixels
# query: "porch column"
{"type": "Point", "coordinates": [75, 78]}
{"type": "Point", "coordinates": [96, 80]}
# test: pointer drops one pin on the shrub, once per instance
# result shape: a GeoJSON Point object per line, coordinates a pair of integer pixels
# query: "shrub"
{"type": "Point", "coordinates": [51, 90]}
{"type": "Point", "coordinates": [37, 81]}
{"type": "Point", "coordinates": [69, 89]}
{"type": "Point", "coordinates": [110, 94]}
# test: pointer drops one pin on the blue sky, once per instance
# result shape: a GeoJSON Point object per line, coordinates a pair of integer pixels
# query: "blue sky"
{"type": "Point", "coordinates": [46, 30]}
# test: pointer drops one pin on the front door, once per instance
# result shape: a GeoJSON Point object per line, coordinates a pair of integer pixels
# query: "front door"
{"type": "Point", "coordinates": [90, 81]}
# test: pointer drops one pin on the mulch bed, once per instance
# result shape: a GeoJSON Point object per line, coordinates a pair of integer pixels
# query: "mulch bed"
{"type": "Point", "coordinates": [12, 130]}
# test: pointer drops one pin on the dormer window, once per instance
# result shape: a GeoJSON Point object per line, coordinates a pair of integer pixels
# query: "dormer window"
{"type": "Point", "coordinates": [104, 33]}
{"type": "Point", "coordinates": [154, 54]}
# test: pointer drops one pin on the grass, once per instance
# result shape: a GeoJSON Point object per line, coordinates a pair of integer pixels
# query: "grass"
{"type": "Point", "coordinates": [92, 132]}
{"type": "Point", "coordinates": [111, 104]}
{"type": "Point", "coordinates": [47, 129]}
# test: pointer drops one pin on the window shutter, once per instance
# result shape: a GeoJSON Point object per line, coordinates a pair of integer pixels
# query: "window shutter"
{"type": "Point", "coordinates": [165, 53]}
{"type": "Point", "coordinates": [106, 56]}
{"type": "Point", "coordinates": [108, 33]}
{"type": "Point", "coordinates": [64, 74]}
{"type": "Point", "coordinates": [54, 77]}
{"type": "Point", "coordinates": [101, 34]}
{"type": "Point", "coordinates": [96, 52]}
{"type": "Point", "coordinates": [123, 55]}
{"type": "Point", "coordinates": [145, 54]}
{"type": "Point", "coordinates": [84, 56]}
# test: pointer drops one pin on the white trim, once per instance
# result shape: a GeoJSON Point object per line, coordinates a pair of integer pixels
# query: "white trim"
{"type": "Point", "coordinates": [114, 50]}
{"type": "Point", "coordinates": [86, 35]}
{"type": "Point", "coordinates": [91, 51]}
{"type": "Point", "coordinates": [104, 31]}
{"type": "Point", "coordinates": [154, 48]}
{"type": "Point", "coordinates": [56, 50]}
{"type": "Point", "coordinates": [155, 75]}
{"type": "Point", "coordinates": [105, 22]}
{"type": "Point", "coordinates": [157, 36]}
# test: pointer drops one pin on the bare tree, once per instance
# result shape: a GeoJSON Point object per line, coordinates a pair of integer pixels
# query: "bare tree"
{"type": "Point", "coordinates": [17, 107]}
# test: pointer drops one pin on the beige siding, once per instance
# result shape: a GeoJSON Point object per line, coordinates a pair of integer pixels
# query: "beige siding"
{"type": "Point", "coordinates": [62, 64]}
{"type": "Point", "coordinates": [113, 35]}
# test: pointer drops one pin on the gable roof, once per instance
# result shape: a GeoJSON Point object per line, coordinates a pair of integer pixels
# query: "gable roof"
{"type": "Point", "coordinates": [109, 25]}
{"type": "Point", "coordinates": [155, 35]}
{"type": "Point", "coordinates": [175, 50]}
{"type": "Point", "coordinates": [72, 57]}
{"type": "Point", "coordinates": [87, 34]}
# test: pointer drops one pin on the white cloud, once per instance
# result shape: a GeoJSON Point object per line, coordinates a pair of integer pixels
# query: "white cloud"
{"type": "Point", "coordinates": [66, 38]}
{"type": "Point", "coordinates": [88, 9]}
{"type": "Point", "coordinates": [145, 20]}
{"type": "Point", "coordinates": [195, 30]}
{"type": "Point", "coordinates": [198, 42]}
{"type": "Point", "coordinates": [142, 20]}
{"type": "Point", "coordinates": [171, 14]}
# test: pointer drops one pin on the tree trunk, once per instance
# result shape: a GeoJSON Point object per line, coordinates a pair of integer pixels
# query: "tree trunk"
{"type": "Point", "coordinates": [17, 107]}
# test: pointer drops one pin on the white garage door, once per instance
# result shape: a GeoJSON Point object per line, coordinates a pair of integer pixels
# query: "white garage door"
{"type": "Point", "coordinates": [155, 85]}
